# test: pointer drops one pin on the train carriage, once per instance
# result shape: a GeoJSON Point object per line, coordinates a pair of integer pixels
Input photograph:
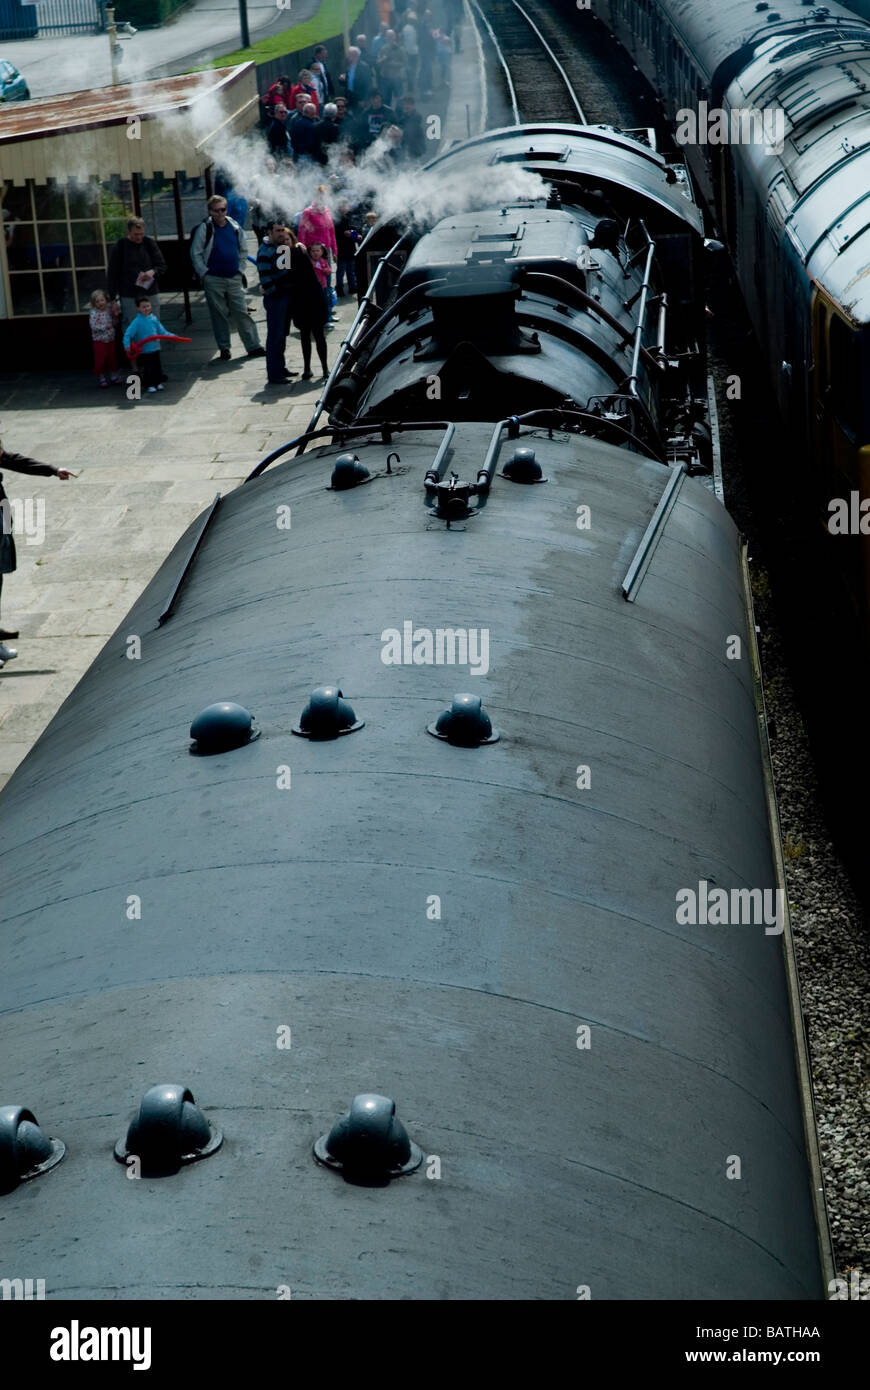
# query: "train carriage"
{"type": "Point", "coordinates": [788, 175]}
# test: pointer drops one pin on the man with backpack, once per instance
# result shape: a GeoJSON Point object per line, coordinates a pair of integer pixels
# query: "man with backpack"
{"type": "Point", "coordinates": [218, 249]}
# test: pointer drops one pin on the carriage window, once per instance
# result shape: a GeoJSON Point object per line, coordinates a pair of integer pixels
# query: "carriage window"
{"type": "Point", "coordinates": [730, 208]}
{"type": "Point", "coordinates": [845, 377]}
{"type": "Point", "coordinates": [758, 267]}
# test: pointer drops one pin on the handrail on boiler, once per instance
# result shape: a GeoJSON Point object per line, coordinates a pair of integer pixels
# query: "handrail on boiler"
{"type": "Point", "coordinates": [385, 428]}
{"type": "Point", "coordinates": [348, 342]}
{"type": "Point", "coordinates": [631, 382]}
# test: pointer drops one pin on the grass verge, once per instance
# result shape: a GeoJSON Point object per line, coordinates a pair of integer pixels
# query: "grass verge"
{"type": "Point", "coordinates": [325, 24]}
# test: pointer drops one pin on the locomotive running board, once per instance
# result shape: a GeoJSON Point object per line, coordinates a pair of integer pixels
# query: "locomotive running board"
{"type": "Point", "coordinates": [652, 535]}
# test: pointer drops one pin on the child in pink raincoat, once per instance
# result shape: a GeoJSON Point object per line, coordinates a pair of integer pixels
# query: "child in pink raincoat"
{"type": "Point", "coordinates": [316, 224]}
{"type": "Point", "coordinates": [316, 227]}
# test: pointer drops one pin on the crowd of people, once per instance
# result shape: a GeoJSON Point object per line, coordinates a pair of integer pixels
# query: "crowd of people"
{"type": "Point", "coordinates": [317, 124]}
{"type": "Point", "coordinates": [375, 95]}
{"type": "Point", "coordinates": [319, 120]}
{"type": "Point", "coordinates": [304, 263]}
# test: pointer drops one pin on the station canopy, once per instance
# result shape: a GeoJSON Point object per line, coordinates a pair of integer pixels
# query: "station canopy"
{"type": "Point", "coordinates": [136, 129]}
{"type": "Point", "coordinates": [74, 167]}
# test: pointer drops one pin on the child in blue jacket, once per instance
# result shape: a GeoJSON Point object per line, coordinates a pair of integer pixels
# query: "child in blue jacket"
{"type": "Point", "coordinates": [147, 361]}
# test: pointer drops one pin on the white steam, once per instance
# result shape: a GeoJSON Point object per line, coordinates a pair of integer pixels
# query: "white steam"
{"type": "Point", "coordinates": [404, 194]}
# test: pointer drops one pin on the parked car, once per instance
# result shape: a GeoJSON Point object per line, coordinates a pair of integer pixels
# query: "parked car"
{"type": "Point", "coordinates": [12, 85]}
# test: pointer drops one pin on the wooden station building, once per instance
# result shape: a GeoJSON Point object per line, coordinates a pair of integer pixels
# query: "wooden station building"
{"type": "Point", "coordinates": [74, 167]}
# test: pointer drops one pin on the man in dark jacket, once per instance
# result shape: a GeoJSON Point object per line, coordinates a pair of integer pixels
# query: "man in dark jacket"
{"type": "Point", "coordinates": [358, 81]}
{"type": "Point", "coordinates": [413, 136]}
{"type": "Point", "coordinates": [19, 464]}
{"type": "Point", "coordinates": [347, 238]}
{"type": "Point", "coordinates": [273, 265]}
{"type": "Point", "coordinates": [377, 118]}
{"type": "Point", "coordinates": [135, 265]}
{"type": "Point", "coordinates": [320, 57]}
{"type": "Point", "coordinates": [277, 132]}
{"type": "Point", "coordinates": [327, 133]}
{"type": "Point", "coordinates": [302, 133]}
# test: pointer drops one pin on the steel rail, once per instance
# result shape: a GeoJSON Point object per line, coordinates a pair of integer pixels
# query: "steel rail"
{"type": "Point", "coordinates": [555, 61]}
{"type": "Point", "coordinates": [501, 58]}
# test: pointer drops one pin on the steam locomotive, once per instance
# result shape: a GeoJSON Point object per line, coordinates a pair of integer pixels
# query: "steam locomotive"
{"type": "Point", "coordinates": [343, 952]}
{"type": "Point", "coordinates": [794, 210]}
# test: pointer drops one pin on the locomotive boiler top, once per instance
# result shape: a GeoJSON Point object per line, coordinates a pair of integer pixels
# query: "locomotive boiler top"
{"type": "Point", "coordinates": [521, 301]}
{"type": "Point", "coordinates": [623, 165]}
{"type": "Point", "coordinates": [502, 305]}
{"type": "Point", "coordinates": [306, 907]}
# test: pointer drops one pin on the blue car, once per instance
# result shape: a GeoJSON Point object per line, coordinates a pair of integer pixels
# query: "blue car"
{"type": "Point", "coordinates": [12, 85]}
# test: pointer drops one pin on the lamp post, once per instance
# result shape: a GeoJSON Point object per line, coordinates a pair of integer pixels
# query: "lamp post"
{"type": "Point", "coordinates": [243, 20]}
{"type": "Point", "coordinates": [113, 40]}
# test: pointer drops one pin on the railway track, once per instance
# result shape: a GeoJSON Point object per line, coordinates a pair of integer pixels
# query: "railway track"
{"type": "Point", "coordinates": [540, 87]}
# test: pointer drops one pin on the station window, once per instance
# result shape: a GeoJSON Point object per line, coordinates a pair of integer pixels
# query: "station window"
{"type": "Point", "coordinates": [823, 348]}
{"type": "Point", "coordinates": [157, 200]}
{"type": "Point", "coordinates": [729, 196]}
{"type": "Point", "coordinates": [758, 264]}
{"type": "Point", "coordinates": [56, 237]}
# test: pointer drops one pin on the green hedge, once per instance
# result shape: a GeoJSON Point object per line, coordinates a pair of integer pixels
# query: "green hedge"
{"type": "Point", "coordinates": [327, 22]}
{"type": "Point", "coordinates": [146, 14]}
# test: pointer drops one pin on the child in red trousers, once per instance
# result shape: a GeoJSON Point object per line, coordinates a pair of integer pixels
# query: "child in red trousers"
{"type": "Point", "coordinates": [103, 316]}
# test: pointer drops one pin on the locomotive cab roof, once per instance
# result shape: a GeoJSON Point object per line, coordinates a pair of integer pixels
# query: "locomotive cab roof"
{"type": "Point", "coordinates": [475, 245]}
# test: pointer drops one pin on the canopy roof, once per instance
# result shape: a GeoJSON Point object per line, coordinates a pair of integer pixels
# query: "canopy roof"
{"type": "Point", "coordinates": [138, 128]}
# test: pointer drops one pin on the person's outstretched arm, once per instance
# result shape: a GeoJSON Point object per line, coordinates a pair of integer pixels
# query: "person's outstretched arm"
{"type": "Point", "coordinates": [19, 463]}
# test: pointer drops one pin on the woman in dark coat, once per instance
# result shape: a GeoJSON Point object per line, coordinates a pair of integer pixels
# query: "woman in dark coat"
{"type": "Point", "coordinates": [307, 305]}
{"type": "Point", "coordinates": [19, 464]}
